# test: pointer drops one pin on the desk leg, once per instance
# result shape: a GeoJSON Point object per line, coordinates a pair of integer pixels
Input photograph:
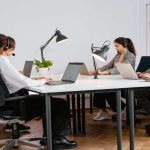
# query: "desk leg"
{"type": "Point", "coordinates": [119, 120]}
{"type": "Point", "coordinates": [48, 121]}
{"type": "Point", "coordinates": [74, 115]}
{"type": "Point", "coordinates": [91, 103]}
{"type": "Point", "coordinates": [131, 118]}
{"type": "Point", "coordinates": [68, 107]}
{"type": "Point", "coordinates": [83, 114]}
{"type": "Point", "coordinates": [78, 113]}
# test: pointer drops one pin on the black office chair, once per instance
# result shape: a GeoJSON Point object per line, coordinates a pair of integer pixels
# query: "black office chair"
{"type": "Point", "coordinates": [14, 121]}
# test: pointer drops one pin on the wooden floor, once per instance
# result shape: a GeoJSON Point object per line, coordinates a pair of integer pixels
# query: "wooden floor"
{"type": "Point", "coordinates": [101, 135]}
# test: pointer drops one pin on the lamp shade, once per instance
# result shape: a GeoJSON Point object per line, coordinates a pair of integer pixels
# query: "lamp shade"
{"type": "Point", "coordinates": [60, 37]}
{"type": "Point", "coordinates": [101, 54]}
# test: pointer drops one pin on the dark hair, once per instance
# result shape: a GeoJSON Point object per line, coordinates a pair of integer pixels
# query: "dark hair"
{"type": "Point", "coordinates": [126, 42]}
{"type": "Point", "coordinates": [4, 41]}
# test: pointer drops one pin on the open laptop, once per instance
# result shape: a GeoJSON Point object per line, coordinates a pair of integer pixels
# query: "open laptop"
{"type": "Point", "coordinates": [70, 75]}
{"type": "Point", "coordinates": [84, 70]}
{"type": "Point", "coordinates": [126, 71]}
{"type": "Point", "coordinates": [27, 68]}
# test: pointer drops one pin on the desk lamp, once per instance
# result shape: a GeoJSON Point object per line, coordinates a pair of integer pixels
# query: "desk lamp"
{"type": "Point", "coordinates": [59, 38]}
{"type": "Point", "coordinates": [99, 53]}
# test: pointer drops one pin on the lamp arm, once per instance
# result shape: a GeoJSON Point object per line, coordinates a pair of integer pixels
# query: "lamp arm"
{"type": "Point", "coordinates": [44, 46]}
{"type": "Point", "coordinates": [94, 63]}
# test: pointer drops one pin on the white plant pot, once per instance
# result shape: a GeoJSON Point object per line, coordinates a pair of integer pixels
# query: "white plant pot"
{"type": "Point", "coordinates": [43, 71]}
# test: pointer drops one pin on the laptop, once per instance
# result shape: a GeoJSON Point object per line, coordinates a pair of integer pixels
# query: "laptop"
{"type": "Point", "coordinates": [27, 68]}
{"type": "Point", "coordinates": [84, 70]}
{"type": "Point", "coordinates": [127, 71]}
{"type": "Point", "coordinates": [70, 75]}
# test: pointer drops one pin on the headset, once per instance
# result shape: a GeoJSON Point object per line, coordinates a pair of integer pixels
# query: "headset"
{"type": "Point", "coordinates": [6, 47]}
{"type": "Point", "coordinates": [125, 42]}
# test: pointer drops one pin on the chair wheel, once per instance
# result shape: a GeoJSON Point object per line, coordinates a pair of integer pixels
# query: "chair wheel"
{"type": "Point", "coordinates": [147, 129]}
{"type": "Point", "coordinates": [43, 142]}
{"type": "Point", "coordinates": [40, 149]}
{"type": "Point", "coordinates": [15, 147]}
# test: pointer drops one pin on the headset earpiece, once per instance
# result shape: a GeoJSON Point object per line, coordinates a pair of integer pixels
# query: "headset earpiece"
{"type": "Point", "coordinates": [6, 47]}
{"type": "Point", "coordinates": [125, 42]}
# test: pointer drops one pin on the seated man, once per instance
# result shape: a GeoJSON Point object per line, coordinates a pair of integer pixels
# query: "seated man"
{"type": "Point", "coordinates": [15, 82]}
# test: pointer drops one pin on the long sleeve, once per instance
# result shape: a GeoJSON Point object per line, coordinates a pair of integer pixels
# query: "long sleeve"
{"type": "Point", "coordinates": [108, 66]}
{"type": "Point", "coordinates": [15, 80]}
{"type": "Point", "coordinates": [129, 59]}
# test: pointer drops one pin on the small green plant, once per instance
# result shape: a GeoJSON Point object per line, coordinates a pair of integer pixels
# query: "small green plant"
{"type": "Point", "coordinates": [42, 64]}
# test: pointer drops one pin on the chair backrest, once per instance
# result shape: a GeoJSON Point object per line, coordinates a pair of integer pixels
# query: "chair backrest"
{"type": "Point", "coordinates": [144, 64]}
{"type": "Point", "coordinates": [2, 102]}
{"type": "Point", "coordinates": [4, 88]}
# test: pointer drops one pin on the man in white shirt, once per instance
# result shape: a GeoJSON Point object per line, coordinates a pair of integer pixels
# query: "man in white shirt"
{"type": "Point", "coordinates": [15, 81]}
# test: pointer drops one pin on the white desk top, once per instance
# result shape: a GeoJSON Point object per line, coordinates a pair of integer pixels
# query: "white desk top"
{"type": "Point", "coordinates": [87, 83]}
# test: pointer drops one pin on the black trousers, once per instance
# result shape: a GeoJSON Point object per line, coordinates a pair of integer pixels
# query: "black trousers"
{"type": "Point", "coordinates": [60, 113]}
{"type": "Point", "coordinates": [60, 116]}
{"type": "Point", "coordinates": [100, 100]}
{"type": "Point", "coordinates": [143, 99]}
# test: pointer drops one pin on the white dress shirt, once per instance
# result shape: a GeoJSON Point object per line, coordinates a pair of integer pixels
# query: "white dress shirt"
{"type": "Point", "coordinates": [13, 79]}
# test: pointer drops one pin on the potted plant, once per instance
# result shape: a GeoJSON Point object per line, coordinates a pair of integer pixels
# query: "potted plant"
{"type": "Point", "coordinates": [43, 67]}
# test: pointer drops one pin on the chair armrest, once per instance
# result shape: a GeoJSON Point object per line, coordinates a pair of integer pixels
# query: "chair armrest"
{"type": "Point", "coordinates": [11, 117]}
{"type": "Point", "coordinates": [18, 98]}
{"type": "Point", "coordinates": [2, 102]}
{"type": "Point", "coordinates": [4, 122]}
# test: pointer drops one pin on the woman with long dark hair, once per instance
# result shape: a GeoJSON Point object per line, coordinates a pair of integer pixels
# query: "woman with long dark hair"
{"type": "Point", "coordinates": [126, 53]}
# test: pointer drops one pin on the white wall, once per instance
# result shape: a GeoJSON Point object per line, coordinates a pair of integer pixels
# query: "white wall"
{"type": "Point", "coordinates": [31, 23]}
{"type": "Point", "coordinates": [142, 25]}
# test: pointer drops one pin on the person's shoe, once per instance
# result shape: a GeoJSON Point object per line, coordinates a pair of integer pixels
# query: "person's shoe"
{"type": "Point", "coordinates": [142, 112]}
{"type": "Point", "coordinates": [64, 144]}
{"type": "Point", "coordinates": [102, 116]}
{"type": "Point", "coordinates": [21, 128]}
{"type": "Point", "coordinates": [43, 142]}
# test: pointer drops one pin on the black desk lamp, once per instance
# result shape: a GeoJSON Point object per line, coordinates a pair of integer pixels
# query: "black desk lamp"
{"type": "Point", "coordinates": [59, 38]}
{"type": "Point", "coordinates": [99, 53]}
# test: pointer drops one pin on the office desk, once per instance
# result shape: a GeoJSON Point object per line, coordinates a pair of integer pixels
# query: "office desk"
{"type": "Point", "coordinates": [86, 84]}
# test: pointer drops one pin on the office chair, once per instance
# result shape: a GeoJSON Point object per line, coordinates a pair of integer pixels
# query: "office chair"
{"type": "Point", "coordinates": [14, 121]}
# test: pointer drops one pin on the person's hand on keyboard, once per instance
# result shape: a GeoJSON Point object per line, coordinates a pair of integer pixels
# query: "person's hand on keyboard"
{"type": "Point", "coordinates": [103, 72]}
{"type": "Point", "coordinates": [47, 79]}
{"type": "Point", "coordinates": [92, 72]}
{"type": "Point", "coordinates": [143, 75]}
{"type": "Point", "coordinates": [40, 78]}
{"type": "Point", "coordinates": [139, 74]}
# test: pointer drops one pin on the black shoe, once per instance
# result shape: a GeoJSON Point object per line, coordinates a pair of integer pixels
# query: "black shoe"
{"type": "Point", "coordinates": [21, 128]}
{"type": "Point", "coordinates": [142, 112]}
{"type": "Point", "coordinates": [64, 144]}
{"type": "Point", "coordinates": [147, 129]}
{"type": "Point", "coordinates": [43, 142]}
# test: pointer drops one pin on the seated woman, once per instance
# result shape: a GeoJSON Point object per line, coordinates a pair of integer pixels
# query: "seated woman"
{"type": "Point", "coordinates": [15, 81]}
{"type": "Point", "coordinates": [143, 95]}
{"type": "Point", "coordinates": [125, 54]}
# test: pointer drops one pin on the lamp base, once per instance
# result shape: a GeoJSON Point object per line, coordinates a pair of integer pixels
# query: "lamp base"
{"type": "Point", "coordinates": [95, 76]}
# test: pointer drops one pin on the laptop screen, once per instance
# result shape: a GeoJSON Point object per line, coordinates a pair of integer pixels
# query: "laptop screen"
{"type": "Point", "coordinates": [27, 68]}
{"type": "Point", "coordinates": [72, 72]}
